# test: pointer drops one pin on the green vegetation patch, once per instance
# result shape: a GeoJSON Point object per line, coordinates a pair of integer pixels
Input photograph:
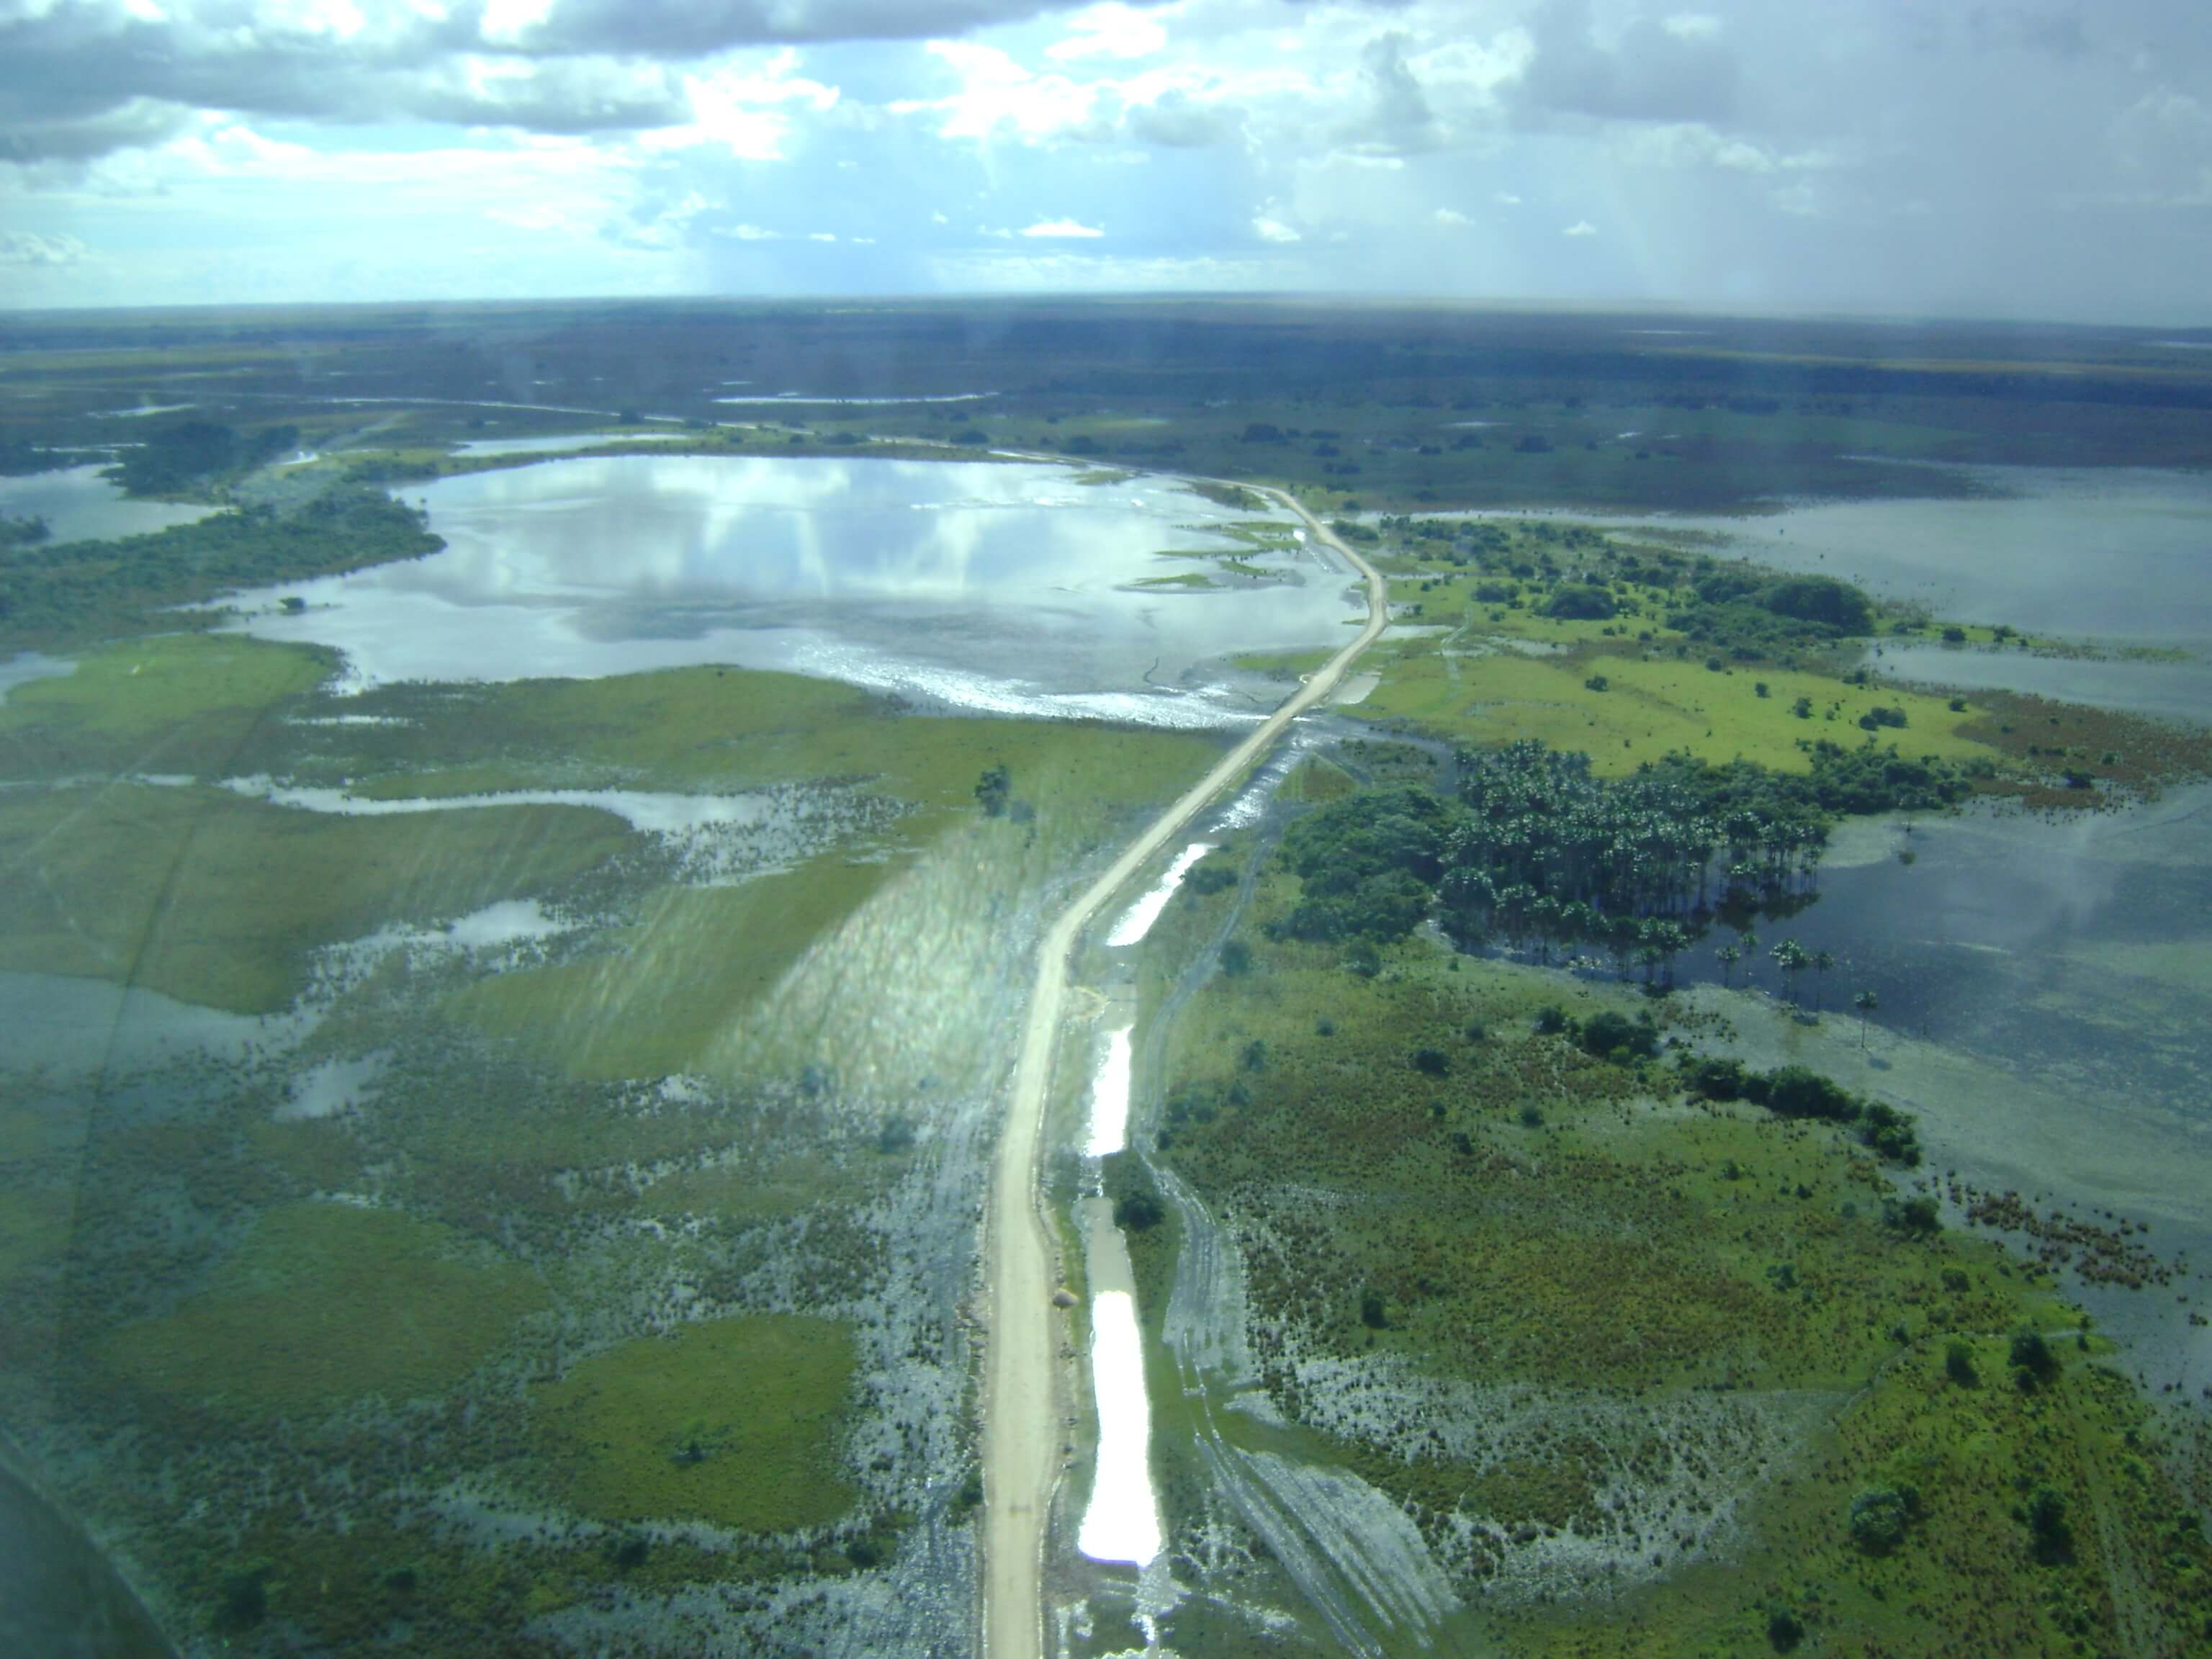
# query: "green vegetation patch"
{"type": "Point", "coordinates": [172, 703]}
{"type": "Point", "coordinates": [213, 898]}
{"type": "Point", "coordinates": [655, 997]}
{"type": "Point", "coordinates": [731, 1421]}
{"type": "Point", "coordinates": [325, 1303]}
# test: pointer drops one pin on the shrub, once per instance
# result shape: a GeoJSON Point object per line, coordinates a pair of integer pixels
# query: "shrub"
{"type": "Point", "coordinates": [1820, 600]}
{"type": "Point", "coordinates": [1581, 602]}
{"type": "Point", "coordinates": [1551, 1020]}
{"type": "Point", "coordinates": [1717, 1079]}
{"type": "Point", "coordinates": [1959, 1365]}
{"type": "Point", "coordinates": [1880, 1517]}
{"type": "Point", "coordinates": [1797, 1091]}
{"type": "Point", "coordinates": [1785, 1630]}
{"type": "Point", "coordinates": [1891, 1133]}
{"type": "Point", "coordinates": [2049, 1531]}
{"type": "Point", "coordinates": [1372, 1313]}
{"type": "Point", "coordinates": [1431, 1062]}
{"type": "Point", "coordinates": [1916, 1218]}
{"type": "Point", "coordinates": [1235, 958]}
{"type": "Point", "coordinates": [1139, 1211]}
{"type": "Point", "coordinates": [1609, 1036]}
{"type": "Point", "coordinates": [2033, 1361]}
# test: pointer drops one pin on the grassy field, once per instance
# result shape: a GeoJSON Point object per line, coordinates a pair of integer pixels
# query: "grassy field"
{"type": "Point", "coordinates": [730, 1421]}
{"type": "Point", "coordinates": [1649, 706]}
{"type": "Point", "coordinates": [326, 1303]}
{"type": "Point", "coordinates": [654, 997]}
{"type": "Point", "coordinates": [214, 899]}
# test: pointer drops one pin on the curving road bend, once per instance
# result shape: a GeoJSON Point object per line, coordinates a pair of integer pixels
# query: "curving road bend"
{"type": "Point", "coordinates": [1022, 1435]}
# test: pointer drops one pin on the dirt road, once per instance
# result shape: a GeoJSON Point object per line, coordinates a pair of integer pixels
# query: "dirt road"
{"type": "Point", "coordinates": [1022, 1435]}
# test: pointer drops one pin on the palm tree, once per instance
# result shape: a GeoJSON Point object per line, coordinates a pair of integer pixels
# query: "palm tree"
{"type": "Point", "coordinates": [1866, 1002]}
{"type": "Point", "coordinates": [1822, 961]}
{"type": "Point", "coordinates": [1790, 957]}
{"type": "Point", "coordinates": [1729, 956]}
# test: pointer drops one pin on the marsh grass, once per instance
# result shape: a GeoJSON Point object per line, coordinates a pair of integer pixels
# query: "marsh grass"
{"type": "Point", "coordinates": [1677, 1258]}
{"type": "Point", "coordinates": [729, 1421]}
{"type": "Point", "coordinates": [325, 1303]}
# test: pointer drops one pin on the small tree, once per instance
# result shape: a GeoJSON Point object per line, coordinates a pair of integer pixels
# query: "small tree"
{"type": "Point", "coordinates": [2033, 1361]}
{"type": "Point", "coordinates": [1866, 1002]}
{"type": "Point", "coordinates": [1729, 956]}
{"type": "Point", "coordinates": [1959, 1365]}
{"type": "Point", "coordinates": [2049, 1531]}
{"type": "Point", "coordinates": [994, 789]}
{"type": "Point", "coordinates": [1791, 958]}
{"type": "Point", "coordinates": [1879, 1516]}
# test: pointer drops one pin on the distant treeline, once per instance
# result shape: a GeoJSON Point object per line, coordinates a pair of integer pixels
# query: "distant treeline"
{"type": "Point", "coordinates": [74, 592]}
{"type": "Point", "coordinates": [183, 454]}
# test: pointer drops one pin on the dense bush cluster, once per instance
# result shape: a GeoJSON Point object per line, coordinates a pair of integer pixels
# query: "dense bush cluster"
{"type": "Point", "coordinates": [1797, 1092]}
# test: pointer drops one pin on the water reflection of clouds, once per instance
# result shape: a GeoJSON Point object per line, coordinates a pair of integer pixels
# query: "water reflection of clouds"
{"type": "Point", "coordinates": [991, 586]}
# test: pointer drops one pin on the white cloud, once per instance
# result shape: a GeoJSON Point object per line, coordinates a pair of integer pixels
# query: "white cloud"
{"type": "Point", "coordinates": [1110, 31]}
{"type": "Point", "coordinates": [1067, 230]}
{"type": "Point", "coordinates": [1506, 199]}
{"type": "Point", "coordinates": [505, 22]}
{"type": "Point", "coordinates": [745, 233]}
{"type": "Point", "coordinates": [1580, 227]}
{"type": "Point", "coordinates": [997, 93]}
{"type": "Point", "coordinates": [740, 109]}
{"type": "Point", "coordinates": [27, 247]}
{"type": "Point", "coordinates": [1450, 216]}
{"type": "Point", "coordinates": [1273, 230]}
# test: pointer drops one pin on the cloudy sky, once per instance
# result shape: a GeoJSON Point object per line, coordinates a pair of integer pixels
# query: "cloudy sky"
{"type": "Point", "coordinates": [2018, 157]}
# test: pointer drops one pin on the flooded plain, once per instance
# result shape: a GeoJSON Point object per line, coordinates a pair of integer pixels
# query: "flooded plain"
{"type": "Point", "coordinates": [1009, 589]}
{"type": "Point", "coordinates": [80, 505]}
{"type": "Point", "coordinates": [2117, 560]}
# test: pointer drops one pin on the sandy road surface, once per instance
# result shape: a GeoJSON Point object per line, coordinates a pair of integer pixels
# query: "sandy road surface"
{"type": "Point", "coordinates": [1022, 1436]}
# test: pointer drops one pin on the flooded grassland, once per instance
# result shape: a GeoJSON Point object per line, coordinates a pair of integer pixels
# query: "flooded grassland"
{"type": "Point", "coordinates": [489, 1152]}
{"type": "Point", "coordinates": [1482, 1317]}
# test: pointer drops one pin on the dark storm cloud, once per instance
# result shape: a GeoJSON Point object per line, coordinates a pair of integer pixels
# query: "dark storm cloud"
{"type": "Point", "coordinates": [84, 78]}
{"type": "Point", "coordinates": [1652, 73]}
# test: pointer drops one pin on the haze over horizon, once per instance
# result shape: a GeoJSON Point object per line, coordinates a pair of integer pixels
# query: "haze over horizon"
{"type": "Point", "coordinates": [2042, 160]}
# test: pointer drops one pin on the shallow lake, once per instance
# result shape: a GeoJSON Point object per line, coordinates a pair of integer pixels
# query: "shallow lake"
{"type": "Point", "coordinates": [2118, 555]}
{"type": "Point", "coordinates": [2077, 946]}
{"type": "Point", "coordinates": [80, 505]}
{"type": "Point", "coordinates": [2164, 690]}
{"type": "Point", "coordinates": [1005, 587]}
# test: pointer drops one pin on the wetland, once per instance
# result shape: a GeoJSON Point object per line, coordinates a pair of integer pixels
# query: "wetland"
{"type": "Point", "coordinates": [511, 957]}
